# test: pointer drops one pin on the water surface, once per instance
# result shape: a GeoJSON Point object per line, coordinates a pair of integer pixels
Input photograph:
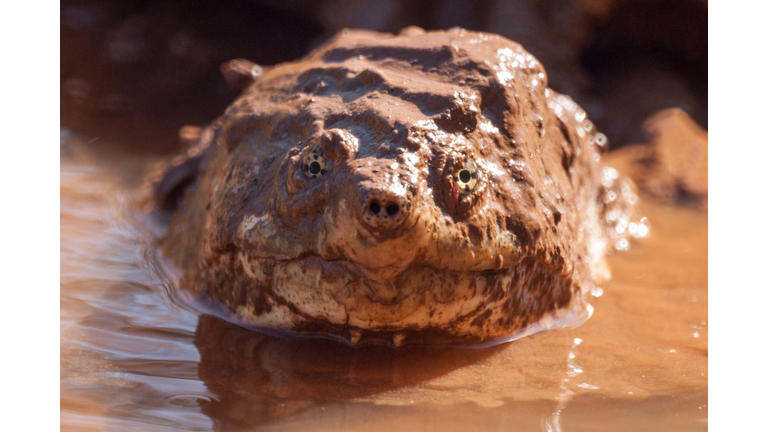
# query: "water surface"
{"type": "Point", "coordinates": [135, 356]}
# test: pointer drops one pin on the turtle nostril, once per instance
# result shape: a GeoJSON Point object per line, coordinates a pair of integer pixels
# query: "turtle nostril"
{"type": "Point", "coordinates": [383, 211]}
{"type": "Point", "coordinates": [375, 208]}
{"type": "Point", "coordinates": [392, 209]}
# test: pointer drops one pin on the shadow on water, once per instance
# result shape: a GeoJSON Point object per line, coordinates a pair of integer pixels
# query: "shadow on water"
{"type": "Point", "coordinates": [259, 378]}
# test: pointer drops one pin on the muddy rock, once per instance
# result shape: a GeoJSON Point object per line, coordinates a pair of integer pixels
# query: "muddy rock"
{"type": "Point", "coordinates": [672, 166]}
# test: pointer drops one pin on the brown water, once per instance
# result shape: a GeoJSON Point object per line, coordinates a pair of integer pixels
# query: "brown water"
{"type": "Point", "coordinates": [136, 356]}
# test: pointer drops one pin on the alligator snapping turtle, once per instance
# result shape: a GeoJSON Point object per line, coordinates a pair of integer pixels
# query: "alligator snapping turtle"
{"type": "Point", "coordinates": [422, 187]}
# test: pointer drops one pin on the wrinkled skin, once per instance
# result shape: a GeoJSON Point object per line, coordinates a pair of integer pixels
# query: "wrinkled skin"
{"type": "Point", "coordinates": [385, 241]}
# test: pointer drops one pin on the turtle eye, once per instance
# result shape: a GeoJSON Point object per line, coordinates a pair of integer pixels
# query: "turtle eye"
{"type": "Point", "coordinates": [314, 163]}
{"type": "Point", "coordinates": [465, 178]}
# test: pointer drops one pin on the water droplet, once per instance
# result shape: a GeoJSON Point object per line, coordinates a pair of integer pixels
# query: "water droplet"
{"type": "Point", "coordinates": [609, 175]}
{"type": "Point", "coordinates": [642, 231]}
{"type": "Point", "coordinates": [622, 224]}
{"type": "Point", "coordinates": [601, 139]}
{"type": "Point", "coordinates": [632, 229]}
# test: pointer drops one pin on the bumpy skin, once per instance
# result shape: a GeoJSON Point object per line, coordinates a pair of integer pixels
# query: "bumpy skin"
{"type": "Point", "coordinates": [380, 246]}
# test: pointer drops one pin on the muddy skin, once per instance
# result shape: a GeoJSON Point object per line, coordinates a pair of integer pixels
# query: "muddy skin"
{"type": "Point", "coordinates": [417, 188]}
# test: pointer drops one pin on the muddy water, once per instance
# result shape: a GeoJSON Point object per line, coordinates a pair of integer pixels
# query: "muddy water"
{"type": "Point", "coordinates": [135, 355]}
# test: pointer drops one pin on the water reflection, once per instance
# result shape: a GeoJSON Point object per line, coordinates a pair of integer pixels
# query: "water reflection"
{"type": "Point", "coordinates": [259, 378]}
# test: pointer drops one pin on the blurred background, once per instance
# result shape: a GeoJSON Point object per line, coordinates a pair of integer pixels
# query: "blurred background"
{"type": "Point", "coordinates": [134, 71]}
